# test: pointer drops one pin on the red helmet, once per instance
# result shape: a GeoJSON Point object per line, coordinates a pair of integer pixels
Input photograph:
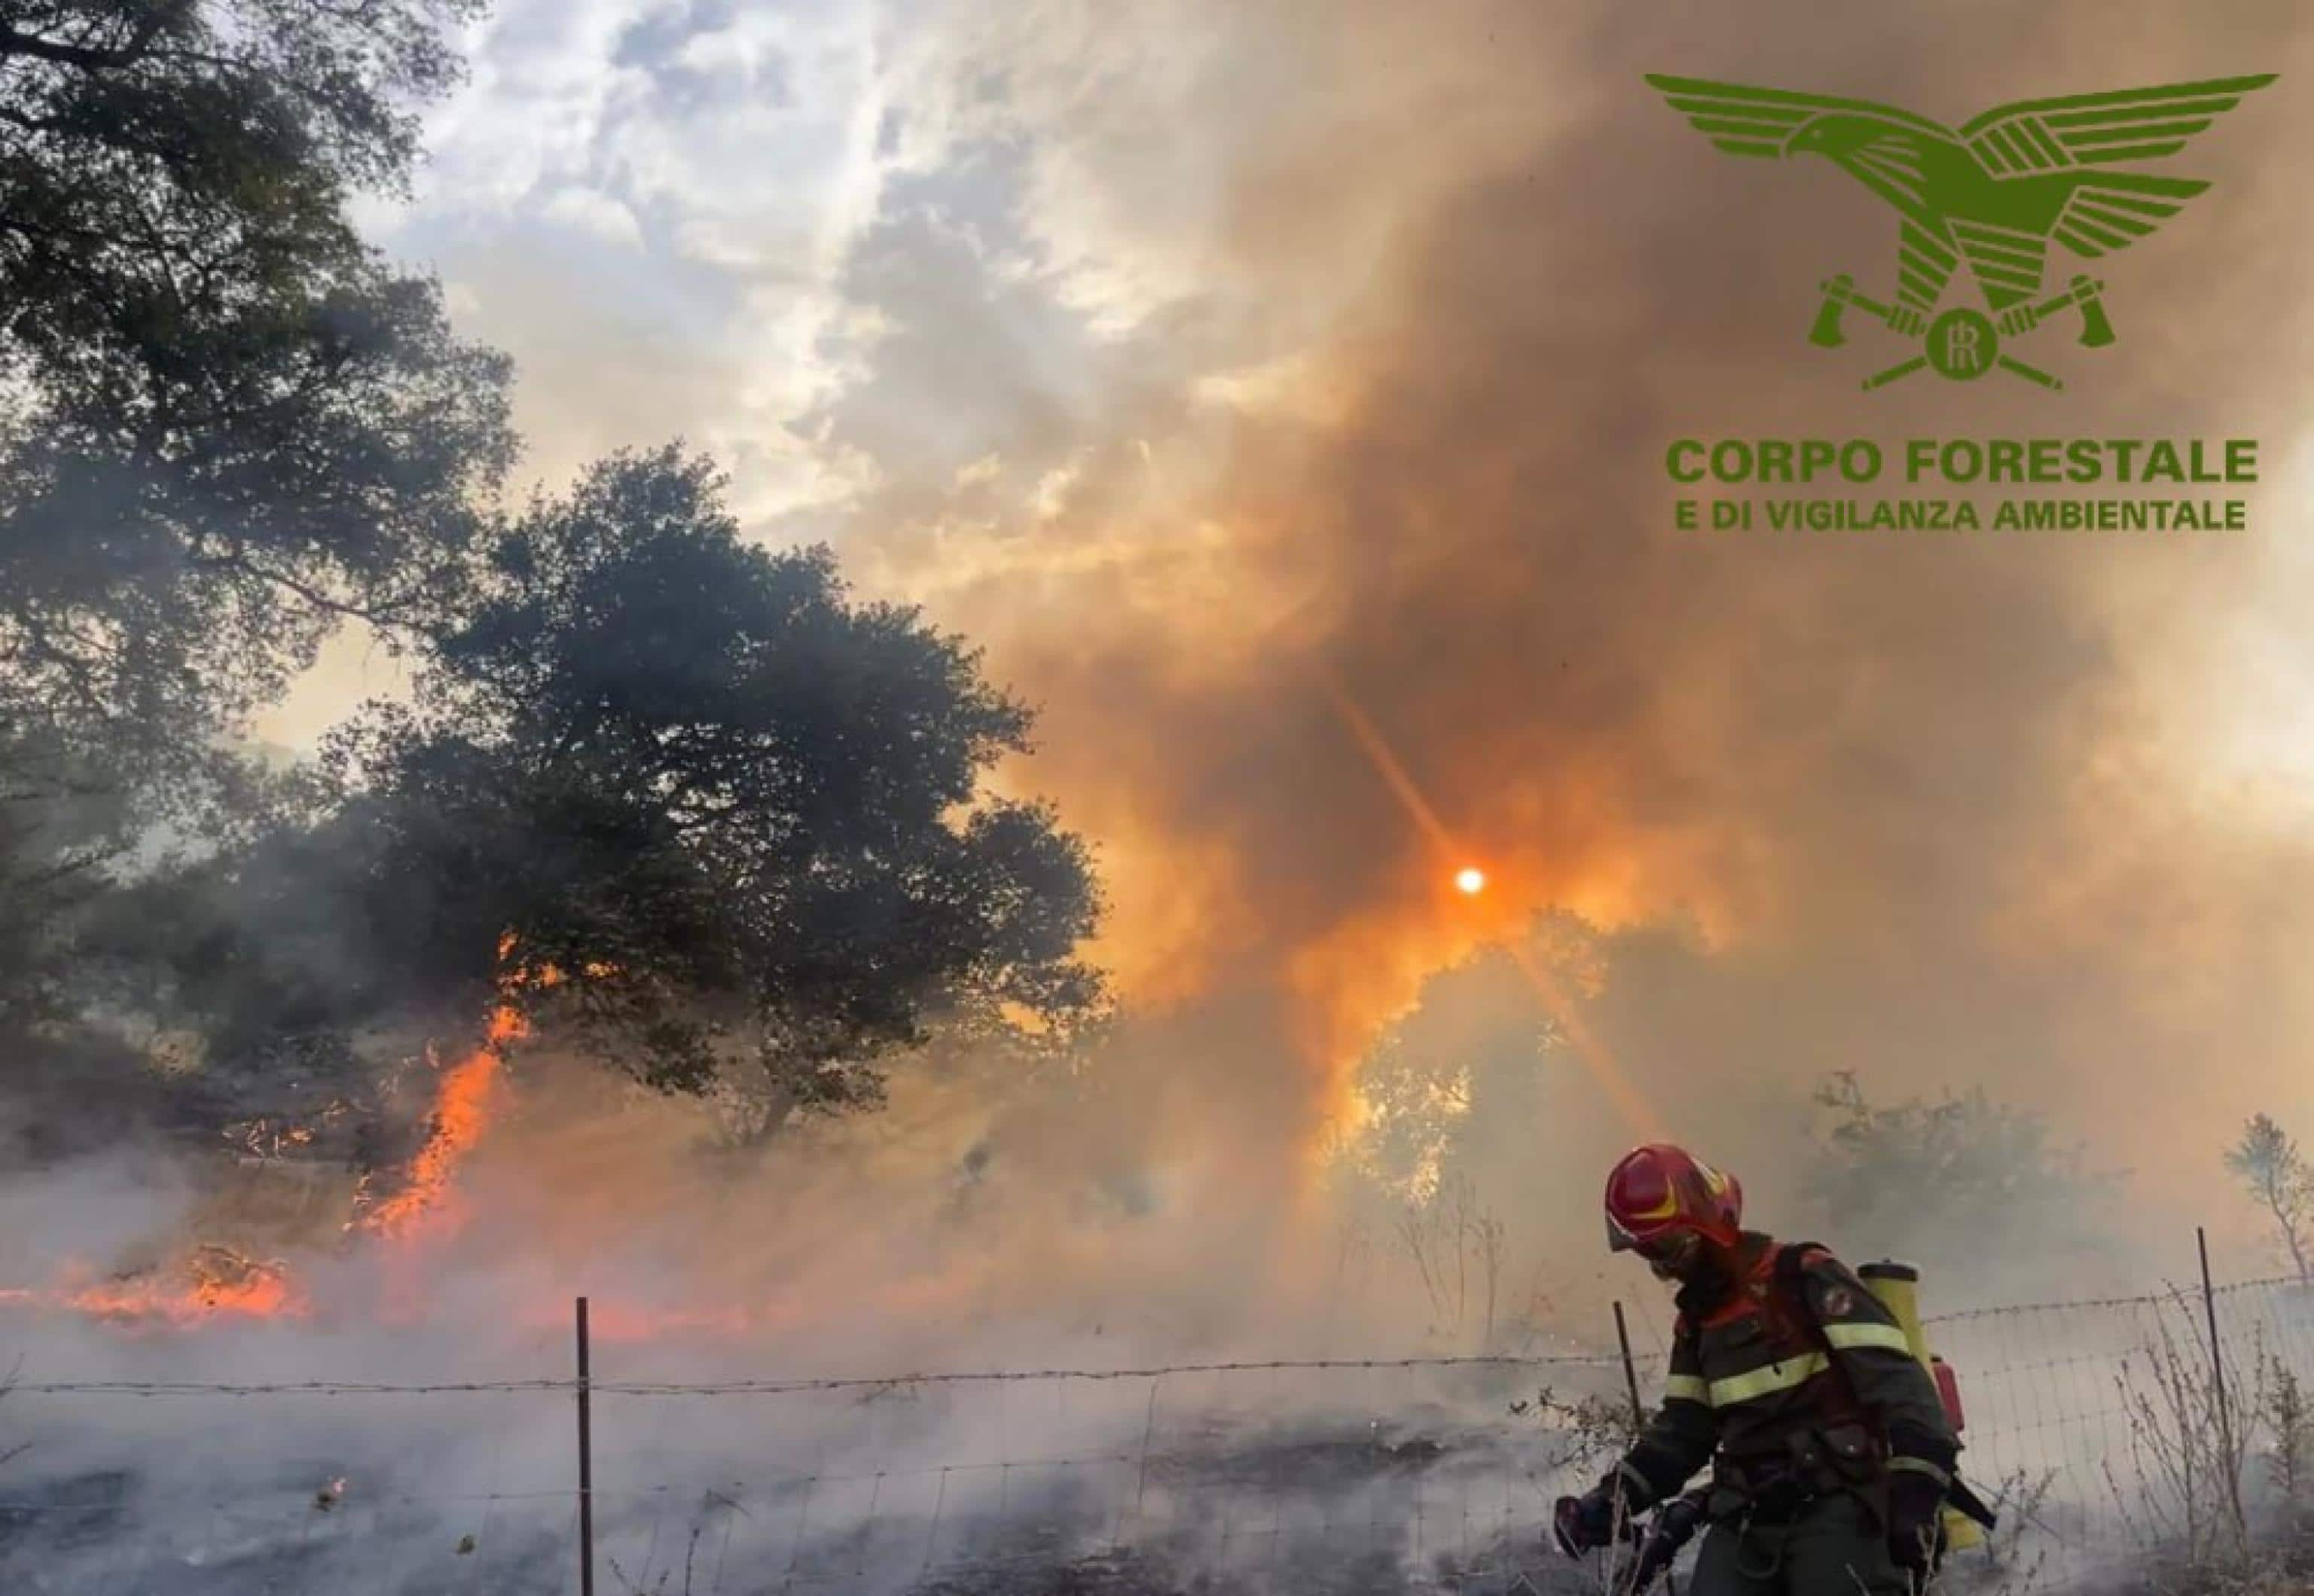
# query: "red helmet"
{"type": "Point", "coordinates": [1660, 1190]}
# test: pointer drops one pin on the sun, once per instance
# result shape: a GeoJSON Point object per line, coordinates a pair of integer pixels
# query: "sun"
{"type": "Point", "coordinates": [1470, 881]}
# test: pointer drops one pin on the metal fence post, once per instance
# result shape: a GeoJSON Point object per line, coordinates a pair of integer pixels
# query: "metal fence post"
{"type": "Point", "coordinates": [2210, 1308]}
{"type": "Point", "coordinates": [1639, 1408]}
{"type": "Point", "coordinates": [585, 1465]}
{"type": "Point", "coordinates": [1631, 1372]}
{"type": "Point", "coordinates": [2230, 1460]}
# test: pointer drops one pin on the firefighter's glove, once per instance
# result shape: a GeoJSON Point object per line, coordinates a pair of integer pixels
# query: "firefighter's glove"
{"type": "Point", "coordinates": [1585, 1523]}
{"type": "Point", "coordinates": [1916, 1505]}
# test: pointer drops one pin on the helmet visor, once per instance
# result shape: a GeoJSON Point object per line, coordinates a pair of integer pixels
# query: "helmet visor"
{"type": "Point", "coordinates": [1665, 1247]}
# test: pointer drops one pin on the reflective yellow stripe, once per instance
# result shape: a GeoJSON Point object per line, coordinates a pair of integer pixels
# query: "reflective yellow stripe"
{"type": "Point", "coordinates": [1762, 1382]}
{"type": "Point", "coordinates": [1686, 1387]}
{"type": "Point", "coordinates": [1848, 1338]}
{"type": "Point", "coordinates": [1922, 1466]}
{"type": "Point", "coordinates": [1639, 1495]}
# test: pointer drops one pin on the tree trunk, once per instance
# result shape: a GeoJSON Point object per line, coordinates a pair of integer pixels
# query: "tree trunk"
{"type": "Point", "coordinates": [2288, 1222]}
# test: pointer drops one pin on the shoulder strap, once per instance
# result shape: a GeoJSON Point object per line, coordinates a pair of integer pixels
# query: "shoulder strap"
{"type": "Point", "coordinates": [1791, 1264]}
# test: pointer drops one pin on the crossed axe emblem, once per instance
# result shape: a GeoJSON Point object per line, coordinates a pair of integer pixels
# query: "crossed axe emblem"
{"type": "Point", "coordinates": [1961, 344]}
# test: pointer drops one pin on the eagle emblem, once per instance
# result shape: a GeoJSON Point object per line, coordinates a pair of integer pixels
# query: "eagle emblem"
{"type": "Point", "coordinates": [1991, 195]}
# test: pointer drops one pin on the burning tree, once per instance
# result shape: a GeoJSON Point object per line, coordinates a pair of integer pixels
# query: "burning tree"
{"type": "Point", "coordinates": [1454, 1098]}
{"type": "Point", "coordinates": [740, 815]}
{"type": "Point", "coordinates": [747, 806]}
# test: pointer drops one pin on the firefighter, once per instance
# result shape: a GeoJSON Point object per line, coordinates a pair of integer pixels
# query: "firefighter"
{"type": "Point", "coordinates": [1830, 1448]}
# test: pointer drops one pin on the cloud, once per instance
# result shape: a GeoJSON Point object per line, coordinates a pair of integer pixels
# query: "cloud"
{"type": "Point", "coordinates": [593, 213]}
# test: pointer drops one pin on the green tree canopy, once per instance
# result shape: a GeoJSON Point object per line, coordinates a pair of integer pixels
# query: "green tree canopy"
{"type": "Point", "coordinates": [744, 814]}
{"type": "Point", "coordinates": [1961, 1183]}
{"type": "Point", "coordinates": [224, 423]}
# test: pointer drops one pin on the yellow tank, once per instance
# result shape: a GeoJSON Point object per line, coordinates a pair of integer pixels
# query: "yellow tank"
{"type": "Point", "coordinates": [1898, 1287]}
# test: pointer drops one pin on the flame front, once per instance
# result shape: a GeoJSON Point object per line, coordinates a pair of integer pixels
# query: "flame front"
{"type": "Point", "coordinates": [215, 1281]}
{"type": "Point", "coordinates": [426, 1204]}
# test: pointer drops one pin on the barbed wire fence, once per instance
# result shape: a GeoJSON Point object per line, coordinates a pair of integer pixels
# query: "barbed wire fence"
{"type": "Point", "coordinates": [2103, 1428]}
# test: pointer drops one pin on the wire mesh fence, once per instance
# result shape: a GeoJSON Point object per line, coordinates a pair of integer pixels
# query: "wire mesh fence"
{"type": "Point", "coordinates": [2105, 1430]}
{"type": "Point", "coordinates": [1242, 1476]}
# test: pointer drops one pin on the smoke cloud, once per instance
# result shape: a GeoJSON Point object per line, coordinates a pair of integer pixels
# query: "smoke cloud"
{"type": "Point", "coordinates": [1942, 810]}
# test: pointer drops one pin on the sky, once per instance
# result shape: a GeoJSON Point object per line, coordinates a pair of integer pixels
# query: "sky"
{"type": "Point", "coordinates": [1278, 393]}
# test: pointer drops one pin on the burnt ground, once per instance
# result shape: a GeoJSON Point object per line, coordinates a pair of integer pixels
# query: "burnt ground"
{"type": "Point", "coordinates": [1226, 1510]}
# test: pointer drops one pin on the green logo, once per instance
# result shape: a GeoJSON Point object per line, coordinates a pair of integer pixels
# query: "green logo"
{"type": "Point", "coordinates": [1994, 193]}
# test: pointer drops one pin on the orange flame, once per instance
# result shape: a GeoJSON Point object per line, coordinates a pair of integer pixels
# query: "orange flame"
{"type": "Point", "coordinates": [215, 1281]}
{"type": "Point", "coordinates": [218, 1281]}
{"type": "Point", "coordinates": [462, 1105]}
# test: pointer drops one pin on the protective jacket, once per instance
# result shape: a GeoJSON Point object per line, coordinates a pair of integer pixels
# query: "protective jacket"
{"type": "Point", "coordinates": [1796, 1384]}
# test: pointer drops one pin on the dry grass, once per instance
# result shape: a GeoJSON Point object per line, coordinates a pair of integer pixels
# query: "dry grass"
{"type": "Point", "coordinates": [2224, 1477]}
